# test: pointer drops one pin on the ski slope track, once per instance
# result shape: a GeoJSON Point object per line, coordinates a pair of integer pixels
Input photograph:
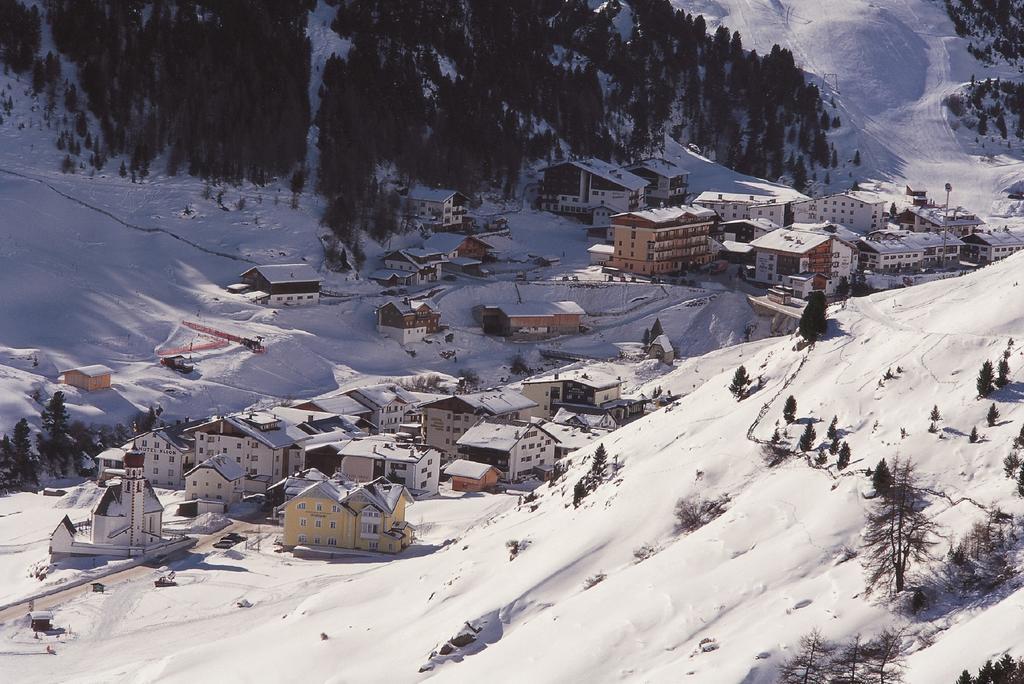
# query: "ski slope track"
{"type": "Point", "coordinates": [894, 61]}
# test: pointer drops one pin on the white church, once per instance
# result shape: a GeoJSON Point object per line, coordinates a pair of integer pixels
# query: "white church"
{"type": "Point", "coordinates": [126, 523]}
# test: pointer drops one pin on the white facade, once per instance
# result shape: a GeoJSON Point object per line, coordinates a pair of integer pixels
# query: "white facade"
{"type": "Point", "coordinates": [732, 205]}
{"type": "Point", "coordinates": [523, 445]}
{"type": "Point", "coordinates": [858, 212]}
{"type": "Point", "coordinates": [403, 335]}
{"type": "Point", "coordinates": [268, 454]}
{"type": "Point", "coordinates": [166, 462]}
{"type": "Point", "coordinates": [218, 478]}
{"type": "Point", "coordinates": [300, 299]}
{"type": "Point", "coordinates": [391, 405]}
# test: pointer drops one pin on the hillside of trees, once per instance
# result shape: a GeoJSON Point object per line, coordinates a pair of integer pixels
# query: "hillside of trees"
{"type": "Point", "coordinates": [462, 92]}
{"type": "Point", "coordinates": [221, 87]}
{"type": "Point", "coordinates": [994, 27]}
{"type": "Point", "coordinates": [993, 108]}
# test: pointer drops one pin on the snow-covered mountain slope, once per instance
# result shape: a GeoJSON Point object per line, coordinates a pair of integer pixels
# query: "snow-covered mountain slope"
{"type": "Point", "coordinates": [893, 62]}
{"type": "Point", "coordinates": [775, 565]}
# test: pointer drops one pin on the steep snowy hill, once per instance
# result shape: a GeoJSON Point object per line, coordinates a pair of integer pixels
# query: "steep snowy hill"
{"type": "Point", "coordinates": [889, 64]}
{"type": "Point", "coordinates": [783, 559]}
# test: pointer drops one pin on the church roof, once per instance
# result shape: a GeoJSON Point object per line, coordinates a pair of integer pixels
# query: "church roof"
{"type": "Point", "coordinates": [113, 503]}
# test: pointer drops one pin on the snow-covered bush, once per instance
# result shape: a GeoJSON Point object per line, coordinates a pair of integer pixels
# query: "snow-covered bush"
{"type": "Point", "coordinates": [695, 512]}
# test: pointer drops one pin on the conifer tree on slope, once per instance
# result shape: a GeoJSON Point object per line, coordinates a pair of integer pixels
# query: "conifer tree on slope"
{"type": "Point", "coordinates": [740, 381]}
{"type": "Point", "coordinates": [1002, 373]}
{"type": "Point", "coordinates": [789, 409]}
{"type": "Point", "coordinates": [985, 380]}
{"type": "Point", "coordinates": [813, 323]}
{"type": "Point", "coordinates": [807, 438]}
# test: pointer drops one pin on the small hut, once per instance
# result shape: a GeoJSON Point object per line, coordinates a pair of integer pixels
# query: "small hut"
{"type": "Point", "coordinates": [42, 620]}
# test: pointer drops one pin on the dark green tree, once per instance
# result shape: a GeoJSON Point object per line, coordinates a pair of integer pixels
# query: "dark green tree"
{"type": "Point", "coordinates": [844, 456]}
{"type": "Point", "coordinates": [985, 382]}
{"type": "Point", "coordinates": [881, 478]}
{"type": "Point", "coordinates": [974, 436]}
{"type": "Point", "coordinates": [808, 437]}
{"type": "Point", "coordinates": [935, 415]}
{"type": "Point", "coordinates": [656, 329]}
{"type": "Point", "coordinates": [789, 409]}
{"type": "Point", "coordinates": [1003, 373]}
{"type": "Point", "coordinates": [24, 459]}
{"type": "Point", "coordinates": [813, 321]}
{"type": "Point", "coordinates": [740, 382]}
{"type": "Point", "coordinates": [992, 416]}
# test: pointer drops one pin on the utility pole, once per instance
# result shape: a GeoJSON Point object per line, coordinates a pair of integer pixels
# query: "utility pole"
{"type": "Point", "coordinates": [945, 227]}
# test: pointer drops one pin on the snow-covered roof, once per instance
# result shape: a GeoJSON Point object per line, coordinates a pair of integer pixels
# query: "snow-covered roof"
{"type": "Point", "coordinates": [601, 249]}
{"type": "Point", "coordinates": [113, 503]}
{"type": "Point", "coordinates": [609, 172]}
{"type": "Point", "coordinates": [794, 241]}
{"type": "Point", "coordinates": [460, 467]}
{"type": "Point", "coordinates": [425, 194]}
{"type": "Point", "coordinates": [379, 396]}
{"type": "Point", "coordinates": [388, 274]}
{"type": "Point", "coordinates": [590, 378]}
{"type": "Point", "coordinates": [498, 435]}
{"type": "Point", "coordinates": [341, 404]}
{"type": "Point", "coordinates": [410, 306]}
{"type": "Point", "coordinates": [592, 420]}
{"type": "Point", "coordinates": [858, 195]}
{"type": "Point", "coordinates": [380, 493]}
{"type": "Point", "coordinates": [497, 402]}
{"type": "Point", "coordinates": [387, 448]}
{"type": "Point", "coordinates": [573, 437]}
{"type": "Point", "coordinates": [737, 247]}
{"type": "Point", "coordinates": [112, 454]}
{"type": "Point", "coordinates": [939, 216]}
{"type": "Point", "coordinates": [761, 222]}
{"type": "Point", "coordinates": [713, 196]}
{"type": "Point", "coordinates": [286, 273]}
{"type": "Point", "coordinates": [540, 308]}
{"type": "Point", "coordinates": [901, 241]}
{"type": "Point", "coordinates": [996, 238]}
{"type": "Point", "coordinates": [834, 229]}
{"type": "Point", "coordinates": [93, 371]}
{"type": "Point", "coordinates": [226, 467]}
{"type": "Point", "coordinates": [464, 261]}
{"type": "Point", "coordinates": [662, 167]}
{"type": "Point", "coordinates": [444, 242]}
{"type": "Point", "coordinates": [662, 341]}
{"type": "Point", "coordinates": [286, 434]}
{"type": "Point", "coordinates": [669, 214]}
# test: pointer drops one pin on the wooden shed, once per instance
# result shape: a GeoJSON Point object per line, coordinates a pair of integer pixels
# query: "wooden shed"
{"type": "Point", "coordinates": [42, 620]}
{"type": "Point", "coordinates": [470, 476]}
{"type": "Point", "coordinates": [89, 378]}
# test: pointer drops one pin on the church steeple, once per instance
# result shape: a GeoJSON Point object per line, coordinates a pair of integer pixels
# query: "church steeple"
{"type": "Point", "coordinates": [133, 488]}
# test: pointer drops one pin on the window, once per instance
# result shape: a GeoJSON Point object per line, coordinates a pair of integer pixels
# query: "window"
{"type": "Point", "coordinates": [156, 457]}
{"type": "Point", "coordinates": [331, 541]}
{"type": "Point", "coordinates": [194, 483]}
{"type": "Point", "coordinates": [219, 485]}
{"type": "Point", "coordinates": [318, 523]}
{"type": "Point", "coordinates": [319, 507]}
{"type": "Point", "coordinates": [170, 459]}
{"type": "Point", "coordinates": [302, 539]}
{"type": "Point", "coordinates": [302, 506]}
{"type": "Point", "coordinates": [372, 546]}
{"type": "Point", "coordinates": [335, 509]}
{"type": "Point", "coordinates": [302, 522]}
{"type": "Point", "coordinates": [333, 524]}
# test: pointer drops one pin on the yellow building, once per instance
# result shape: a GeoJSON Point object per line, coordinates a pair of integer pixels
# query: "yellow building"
{"type": "Point", "coordinates": [335, 514]}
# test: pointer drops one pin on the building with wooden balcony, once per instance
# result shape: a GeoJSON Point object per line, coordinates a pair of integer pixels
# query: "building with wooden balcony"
{"type": "Point", "coordinates": [662, 241]}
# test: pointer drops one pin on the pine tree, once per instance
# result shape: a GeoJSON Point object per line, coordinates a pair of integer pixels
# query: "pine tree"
{"type": "Point", "coordinates": [992, 416]}
{"type": "Point", "coordinates": [832, 434]}
{"type": "Point", "coordinates": [54, 442]}
{"type": "Point", "coordinates": [844, 456]}
{"type": "Point", "coordinates": [935, 415]}
{"type": "Point", "coordinates": [776, 437]}
{"type": "Point", "coordinates": [881, 478]}
{"type": "Point", "coordinates": [974, 436]}
{"type": "Point", "coordinates": [740, 381]}
{"type": "Point", "coordinates": [598, 465]}
{"type": "Point", "coordinates": [898, 532]}
{"type": "Point", "coordinates": [789, 410]}
{"type": "Point", "coordinates": [579, 492]}
{"type": "Point", "coordinates": [856, 158]}
{"type": "Point", "coordinates": [1003, 373]}
{"type": "Point", "coordinates": [1020, 482]}
{"type": "Point", "coordinates": [647, 336]}
{"type": "Point", "coordinates": [122, 171]}
{"type": "Point", "coordinates": [965, 678]}
{"type": "Point", "coordinates": [807, 438]}
{"type": "Point", "coordinates": [656, 329]}
{"type": "Point", "coordinates": [813, 321]}
{"type": "Point", "coordinates": [7, 465]}
{"type": "Point", "coordinates": [985, 380]}
{"type": "Point", "coordinates": [1018, 441]}
{"type": "Point", "coordinates": [24, 461]}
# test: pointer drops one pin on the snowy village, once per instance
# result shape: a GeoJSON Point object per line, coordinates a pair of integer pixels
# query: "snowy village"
{"type": "Point", "coordinates": [686, 346]}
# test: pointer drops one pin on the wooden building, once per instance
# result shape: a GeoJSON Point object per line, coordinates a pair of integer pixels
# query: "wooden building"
{"type": "Point", "coordinates": [470, 476]}
{"type": "Point", "coordinates": [408, 321]}
{"type": "Point", "coordinates": [662, 241]}
{"type": "Point", "coordinates": [88, 378]}
{"type": "Point", "coordinates": [284, 284]}
{"type": "Point", "coordinates": [533, 320]}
